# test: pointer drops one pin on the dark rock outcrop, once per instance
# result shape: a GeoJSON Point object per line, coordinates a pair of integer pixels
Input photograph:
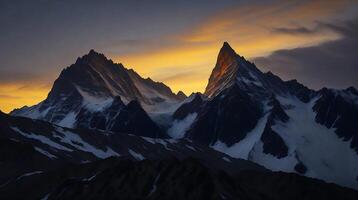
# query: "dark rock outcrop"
{"type": "Point", "coordinates": [338, 109]}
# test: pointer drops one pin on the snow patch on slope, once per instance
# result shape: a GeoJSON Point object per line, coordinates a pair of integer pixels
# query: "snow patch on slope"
{"type": "Point", "coordinates": [45, 153]}
{"type": "Point", "coordinates": [136, 155]}
{"type": "Point", "coordinates": [31, 112]}
{"type": "Point", "coordinates": [253, 81]}
{"type": "Point", "coordinates": [28, 174]}
{"type": "Point", "coordinates": [68, 121]}
{"type": "Point", "coordinates": [163, 142]}
{"type": "Point", "coordinates": [285, 164]}
{"type": "Point", "coordinates": [316, 146]}
{"type": "Point", "coordinates": [42, 139]}
{"type": "Point", "coordinates": [226, 159]}
{"type": "Point", "coordinates": [179, 127]}
{"type": "Point", "coordinates": [243, 147]}
{"type": "Point", "coordinates": [154, 188]}
{"type": "Point", "coordinates": [94, 103]}
{"type": "Point", "coordinates": [77, 142]}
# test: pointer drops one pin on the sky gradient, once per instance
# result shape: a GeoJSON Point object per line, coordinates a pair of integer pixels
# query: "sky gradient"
{"type": "Point", "coordinates": [176, 42]}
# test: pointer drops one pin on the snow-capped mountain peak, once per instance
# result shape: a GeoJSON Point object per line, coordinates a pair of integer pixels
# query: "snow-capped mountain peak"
{"type": "Point", "coordinates": [92, 88]}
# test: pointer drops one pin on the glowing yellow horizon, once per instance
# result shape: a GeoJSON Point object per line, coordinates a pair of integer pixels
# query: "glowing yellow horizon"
{"type": "Point", "coordinates": [187, 70]}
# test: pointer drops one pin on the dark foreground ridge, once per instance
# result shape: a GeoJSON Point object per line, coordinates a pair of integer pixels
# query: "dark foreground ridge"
{"type": "Point", "coordinates": [113, 178]}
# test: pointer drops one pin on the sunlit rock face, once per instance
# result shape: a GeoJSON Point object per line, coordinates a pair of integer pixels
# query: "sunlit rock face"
{"type": "Point", "coordinates": [233, 69]}
{"type": "Point", "coordinates": [224, 71]}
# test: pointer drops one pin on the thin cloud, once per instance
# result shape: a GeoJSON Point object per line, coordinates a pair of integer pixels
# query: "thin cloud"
{"type": "Point", "coordinates": [8, 76]}
{"type": "Point", "coordinates": [182, 76]}
{"type": "Point", "coordinates": [346, 28]}
{"type": "Point", "coordinates": [5, 96]}
{"type": "Point", "coordinates": [333, 64]}
{"type": "Point", "coordinates": [295, 31]}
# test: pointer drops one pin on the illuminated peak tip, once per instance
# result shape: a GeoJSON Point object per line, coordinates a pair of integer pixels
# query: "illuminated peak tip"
{"type": "Point", "coordinates": [226, 44]}
{"type": "Point", "coordinates": [226, 51]}
{"type": "Point", "coordinates": [227, 48]}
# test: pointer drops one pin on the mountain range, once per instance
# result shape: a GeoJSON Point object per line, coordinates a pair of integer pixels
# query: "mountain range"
{"type": "Point", "coordinates": [281, 125]}
{"type": "Point", "coordinates": [247, 130]}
